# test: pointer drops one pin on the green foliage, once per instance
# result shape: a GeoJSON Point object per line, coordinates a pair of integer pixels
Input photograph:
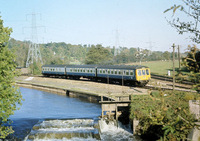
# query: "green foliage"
{"type": "Point", "coordinates": [62, 53]}
{"type": "Point", "coordinates": [189, 8]}
{"type": "Point", "coordinates": [36, 68]}
{"type": "Point", "coordinates": [192, 60]}
{"type": "Point", "coordinates": [9, 95]}
{"type": "Point", "coordinates": [163, 115]}
{"type": "Point", "coordinates": [98, 55]}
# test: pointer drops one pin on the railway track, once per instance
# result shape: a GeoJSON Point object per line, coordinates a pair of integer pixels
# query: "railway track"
{"type": "Point", "coordinates": [170, 79]}
{"type": "Point", "coordinates": [166, 83]}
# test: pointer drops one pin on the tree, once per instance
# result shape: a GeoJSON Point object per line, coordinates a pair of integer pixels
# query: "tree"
{"type": "Point", "coordinates": [166, 55]}
{"type": "Point", "coordinates": [192, 60]}
{"type": "Point", "coordinates": [98, 55]}
{"type": "Point", "coordinates": [9, 95]}
{"type": "Point", "coordinates": [191, 9]}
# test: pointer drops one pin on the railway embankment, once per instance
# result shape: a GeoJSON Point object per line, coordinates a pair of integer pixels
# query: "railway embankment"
{"type": "Point", "coordinates": [63, 86]}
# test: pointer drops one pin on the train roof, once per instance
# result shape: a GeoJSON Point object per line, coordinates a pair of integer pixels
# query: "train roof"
{"type": "Point", "coordinates": [121, 67]}
{"type": "Point", "coordinates": [72, 66]}
{"type": "Point", "coordinates": [54, 66]}
{"type": "Point", "coordinates": [100, 66]}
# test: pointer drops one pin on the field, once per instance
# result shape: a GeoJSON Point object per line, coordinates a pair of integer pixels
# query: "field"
{"type": "Point", "coordinates": [159, 67]}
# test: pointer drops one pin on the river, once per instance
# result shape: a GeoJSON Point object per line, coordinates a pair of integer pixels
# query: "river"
{"type": "Point", "coordinates": [43, 107]}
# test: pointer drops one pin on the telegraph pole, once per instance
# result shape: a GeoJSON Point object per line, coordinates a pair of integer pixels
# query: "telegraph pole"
{"type": "Point", "coordinates": [173, 66]}
{"type": "Point", "coordinates": [179, 59]}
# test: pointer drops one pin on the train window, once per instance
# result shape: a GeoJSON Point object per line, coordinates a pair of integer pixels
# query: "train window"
{"type": "Point", "coordinates": [108, 71]}
{"type": "Point", "coordinates": [131, 72]}
{"type": "Point", "coordinates": [111, 71]}
{"type": "Point", "coordinates": [88, 70]}
{"type": "Point", "coordinates": [104, 71]}
{"type": "Point", "coordinates": [139, 73]}
{"type": "Point", "coordinates": [115, 71]}
{"type": "Point", "coordinates": [127, 72]}
{"type": "Point", "coordinates": [147, 71]}
{"type": "Point", "coordinates": [91, 70]}
{"type": "Point", "coordinates": [83, 70]}
{"type": "Point", "coordinates": [143, 72]}
{"type": "Point", "coordinates": [100, 71]}
{"type": "Point", "coordinates": [119, 71]}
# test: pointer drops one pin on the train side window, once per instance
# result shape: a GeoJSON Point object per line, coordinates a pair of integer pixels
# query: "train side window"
{"type": "Point", "coordinates": [100, 71]}
{"type": "Point", "coordinates": [143, 72]}
{"type": "Point", "coordinates": [131, 73]}
{"type": "Point", "coordinates": [139, 73]}
{"type": "Point", "coordinates": [111, 71]}
{"type": "Point", "coordinates": [127, 72]}
{"type": "Point", "coordinates": [88, 70]}
{"type": "Point", "coordinates": [83, 70]}
{"type": "Point", "coordinates": [104, 71]}
{"type": "Point", "coordinates": [115, 71]}
{"type": "Point", "coordinates": [147, 71]}
{"type": "Point", "coordinates": [91, 70]}
{"type": "Point", "coordinates": [119, 72]}
{"type": "Point", "coordinates": [108, 71]}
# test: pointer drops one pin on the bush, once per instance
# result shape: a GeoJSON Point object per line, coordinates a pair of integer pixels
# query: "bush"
{"type": "Point", "coordinates": [163, 115]}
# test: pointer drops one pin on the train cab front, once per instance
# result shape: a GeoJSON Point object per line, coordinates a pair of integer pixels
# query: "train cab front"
{"type": "Point", "coordinates": [143, 76]}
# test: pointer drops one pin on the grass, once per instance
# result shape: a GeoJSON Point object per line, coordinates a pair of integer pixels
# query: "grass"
{"type": "Point", "coordinates": [159, 67]}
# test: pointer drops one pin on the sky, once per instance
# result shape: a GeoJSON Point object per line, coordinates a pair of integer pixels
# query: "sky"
{"type": "Point", "coordinates": [126, 23]}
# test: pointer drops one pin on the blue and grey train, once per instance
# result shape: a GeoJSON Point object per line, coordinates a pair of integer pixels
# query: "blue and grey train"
{"type": "Point", "coordinates": [134, 75]}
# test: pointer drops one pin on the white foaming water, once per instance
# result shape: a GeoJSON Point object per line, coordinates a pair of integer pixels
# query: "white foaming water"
{"type": "Point", "coordinates": [65, 139]}
{"type": "Point", "coordinates": [111, 132]}
{"type": "Point", "coordinates": [80, 127]}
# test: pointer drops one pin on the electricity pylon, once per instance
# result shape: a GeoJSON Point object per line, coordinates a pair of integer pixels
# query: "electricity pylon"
{"type": "Point", "coordinates": [116, 51]}
{"type": "Point", "coordinates": [34, 49]}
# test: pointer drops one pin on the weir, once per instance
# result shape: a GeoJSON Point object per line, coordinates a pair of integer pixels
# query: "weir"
{"type": "Point", "coordinates": [64, 129]}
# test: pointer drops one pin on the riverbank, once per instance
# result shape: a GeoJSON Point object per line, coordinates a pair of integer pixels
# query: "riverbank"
{"type": "Point", "coordinates": [61, 86]}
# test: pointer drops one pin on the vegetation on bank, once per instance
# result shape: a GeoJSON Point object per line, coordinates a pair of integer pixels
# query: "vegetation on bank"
{"type": "Point", "coordinates": [164, 115]}
{"type": "Point", "coordinates": [9, 95]}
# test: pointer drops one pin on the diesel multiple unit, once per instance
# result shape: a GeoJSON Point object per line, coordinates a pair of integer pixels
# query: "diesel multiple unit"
{"type": "Point", "coordinates": [134, 75]}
